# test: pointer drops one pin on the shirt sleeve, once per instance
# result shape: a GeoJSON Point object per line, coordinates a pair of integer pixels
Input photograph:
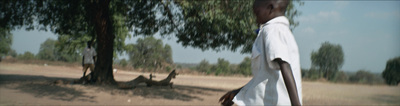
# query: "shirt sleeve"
{"type": "Point", "coordinates": [84, 52]}
{"type": "Point", "coordinates": [275, 47]}
{"type": "Point", "coordinates": [94, 52]}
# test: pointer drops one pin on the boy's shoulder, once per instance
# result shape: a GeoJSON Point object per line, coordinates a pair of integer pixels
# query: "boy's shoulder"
{"type": "Point", "coordinates": [277, 24]}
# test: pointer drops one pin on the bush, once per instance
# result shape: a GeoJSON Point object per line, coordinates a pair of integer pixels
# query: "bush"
{"type": "Point", "coordinates": [26, 56]}
{"type": "Point", "coordinates": [204, 67]}
{"type": "Point", "coordinates": [245, 67]}
{"type": "Point", "coordinates": [168, 68]}
{"type": "Point", "coordinates": [341, 77]}
{"type": "Point", "coordinates": [365, 77]}
{"type": "Point", "coordinates": [391, 74]}
{"type": "Point", "coordinates": [311, 74]}
{"type": "Point", "coordinates": [123, 62]}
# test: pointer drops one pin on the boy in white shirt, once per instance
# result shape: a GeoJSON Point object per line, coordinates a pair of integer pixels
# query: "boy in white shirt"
{"type": "Point", "coordinates": [89, 56]}
{"type": "Point", "coordinates": [275, 61]}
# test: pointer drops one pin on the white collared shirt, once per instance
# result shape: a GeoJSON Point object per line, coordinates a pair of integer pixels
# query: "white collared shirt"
{"type": "Point", "coordinates": [88, 54]}
{"type": "Point", "coordinates": [275, 40]}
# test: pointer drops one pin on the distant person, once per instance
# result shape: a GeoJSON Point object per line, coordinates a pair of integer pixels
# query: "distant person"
{"type": "Point", "coordinates": [89, 57]}
{"type": "Point", "coordinates": [275, 61]}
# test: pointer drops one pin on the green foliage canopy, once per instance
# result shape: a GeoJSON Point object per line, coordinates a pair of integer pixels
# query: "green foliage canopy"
{"type": "Point", "coordinates": [222, 24]}
{"type": "Point", "coordinates": [204, 24]}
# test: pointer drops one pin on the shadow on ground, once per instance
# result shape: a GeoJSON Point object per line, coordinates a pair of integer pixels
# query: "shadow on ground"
{"type": "Point", "coordinates": [179, 92]}
{"type": "Point", "coordinates": [42, 86]}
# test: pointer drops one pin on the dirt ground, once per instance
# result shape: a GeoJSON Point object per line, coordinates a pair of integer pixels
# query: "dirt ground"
{"type": "Point", "coordinates": [27, 84]}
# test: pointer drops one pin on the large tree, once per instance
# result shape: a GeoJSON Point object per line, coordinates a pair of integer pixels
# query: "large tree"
{"type": "Point", "coordinates": [95, 18]}
{"type": "Point", "coordinates": [202, 24]}
{"type": "Point", "coordinates": [391, 74]}
{"type": "Point", "coordinates": [328, 59]}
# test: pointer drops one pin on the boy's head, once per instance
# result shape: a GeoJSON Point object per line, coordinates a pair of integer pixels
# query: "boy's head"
{"type": "Point", "coordinates": [266, 10]}
{"type": "Point", "coordinates": [89, 44]}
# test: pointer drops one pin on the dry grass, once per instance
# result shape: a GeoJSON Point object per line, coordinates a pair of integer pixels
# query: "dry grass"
{"type": "Point", "coordinates": [317, 93]}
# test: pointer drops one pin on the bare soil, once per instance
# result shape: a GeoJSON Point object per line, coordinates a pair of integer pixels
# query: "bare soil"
{"type": "Point", "coordinates": [28, 84]}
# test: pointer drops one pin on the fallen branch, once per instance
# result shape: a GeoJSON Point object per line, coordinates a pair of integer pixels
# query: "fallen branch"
{"type": "Point", "coordinates": [149, 82]}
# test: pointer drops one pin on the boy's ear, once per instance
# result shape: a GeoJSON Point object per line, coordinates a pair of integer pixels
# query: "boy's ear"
{"type": "Point", "coordinates": [270, 8]}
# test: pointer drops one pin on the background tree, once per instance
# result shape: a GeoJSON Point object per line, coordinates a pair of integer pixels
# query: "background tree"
{"type": "Point", "coordinates": [71, 45]}
{"type": "Point", "coordinates": [149, 54]}
{"type": "Point", "coordinates": [167, 54]}
{"type": "Point", "coordinates": [328, 59]}
{"type": "Point", "coordinates": [123, 62]}
{"type": "Point", "coordinates": [5, 42]}
{"type": "Point", "coordinates": [47, 50]}
{"type": "Point", "coordinates": [391, 74]}
{"type": "Point", "coordinates": [50, 50]}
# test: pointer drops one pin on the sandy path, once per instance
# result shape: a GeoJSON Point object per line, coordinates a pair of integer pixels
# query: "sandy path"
{"type": "Point", "coordinates": [23, 84]}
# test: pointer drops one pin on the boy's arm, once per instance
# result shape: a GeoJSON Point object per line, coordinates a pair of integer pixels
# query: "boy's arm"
{"type": "Point", "coordinates": [226, 100]}
{"type": "Point", "coordinates": [289, 81]}
{"type": "Point", "coordinates": [94, 59]}
{"type": "Point", "coordinates": [83, 57]}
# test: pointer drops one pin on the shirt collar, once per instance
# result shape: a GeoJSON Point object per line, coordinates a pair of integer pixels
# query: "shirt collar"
{"type": "Point", "coordinates": [279, 19]}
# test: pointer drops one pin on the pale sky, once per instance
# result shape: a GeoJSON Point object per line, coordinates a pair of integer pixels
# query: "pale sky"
{"type": "Point", "coordinates": [368, 31]}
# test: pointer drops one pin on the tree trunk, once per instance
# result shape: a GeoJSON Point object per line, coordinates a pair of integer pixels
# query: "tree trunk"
{"type": "Point", "coordinates": [105, 42]}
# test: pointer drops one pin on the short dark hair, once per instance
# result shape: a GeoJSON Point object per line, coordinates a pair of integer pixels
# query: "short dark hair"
{"type": "Point", "coordinates": [280, 4]}
{"type": "Point", "coordinates": [89, 43]}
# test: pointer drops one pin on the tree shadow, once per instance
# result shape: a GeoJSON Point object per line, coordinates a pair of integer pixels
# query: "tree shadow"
{"type": "Point", "coordinates": [179, 92]}
{"type": "Point", "coordinates": [42, 86]}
